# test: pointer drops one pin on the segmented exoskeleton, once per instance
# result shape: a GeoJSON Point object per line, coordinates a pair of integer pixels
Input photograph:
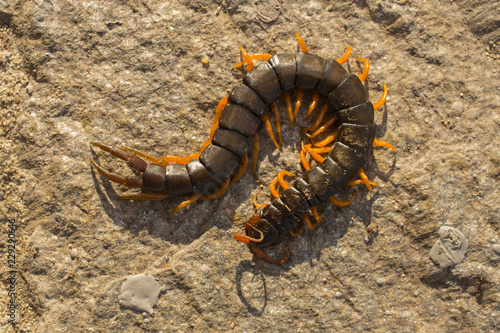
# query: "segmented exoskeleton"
{"type": "Point", "coordinates": [223, 158]}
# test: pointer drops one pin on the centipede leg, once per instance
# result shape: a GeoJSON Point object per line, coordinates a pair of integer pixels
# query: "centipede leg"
{"type": "Point", "coordinates": [256, 56]}
{"type": "Point", "coordinates": [296, 233]}
{"type": "Point", "coordinates": [298, 102]}
{"type": "Point", "coordinates": [382, 99]}
{"type": "Point", "coordinates": [145, 196]}
{"type": "Point", "coordinates": [257, 205]}
{"type": "Point", "coordinates": [325, 141]}
{"type": "Point", "coordinates": [366, 69]}
{"type": "Point", "coordinates": [303, 158]}
{"type": "Point", "coordinates": [277, 122]}
{"type": "Point", "coordinates": [320, 130]}
{"type": "Point", "coordinates": [289, 108]}
{"type": "Point", "coordinates": [364, 180]}
{"type": "Point", "coordinates": [279, 178]}
{"type": "Point", "coordinates": [256, 147]}
{"type": "Point", "coordinates": [220, 192]}
{"type": "Point", "coordinates": [379, 143]}
{"type": "Point", "coordinates": [269, 128]}
{"type": "Point", "coordinates": [243, 169]}
{"type": "Point", "coordinates": [303, 46]}
{"type": "Point", "coordinates": [321, 115]}
{"type": "Point", "coordinates": [147, 156]}
{"type": "Point", "coordinates": [342, 60]}
{"type": "Point", "coordinates": [314, 101]}
{"type": "Point", "coordinates": [185, 203]}
{"type": "Point", "coordinates": [341, 203]}
{"type": "Point", "coordinates": [218, 111]}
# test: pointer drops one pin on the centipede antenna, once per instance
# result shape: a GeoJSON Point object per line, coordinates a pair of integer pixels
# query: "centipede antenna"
{"type": "Point", "coordinates": [265, 256]}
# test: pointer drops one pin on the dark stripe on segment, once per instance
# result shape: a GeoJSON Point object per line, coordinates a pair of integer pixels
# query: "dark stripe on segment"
{"type": "Point", "coordinates": [362, 114]}
{"type": "Point", "coordinates": [296, 201]}
{"type": "Point", "coordinates": [177, 181]}
{"type": "Point", "coordinates": [359, 137]}
{"type": "Point", "coordinates": [347, 158]}
{"type": "Point", "coordinates": [232, 141]}
{"type": "Point", "coordinates": [220, 161]}
{"type": "Point", "coordinates": [348, 94]}
{"type": "Point", "coordinates": [264, 81]}
{"type": "Point", "coordinates": [278, 219]}
{"type": "Point", "coordinates": [244, 96]}
{"type": "Point", "coordinates": [333, 76]}
{"type": "Point", "coordinates": [310, 69]}
{"type": "Point", "coordinates": [239, 119]}
{"type": "Point", "coordinates": [285, 67]}
{"type": "Point", "coordinates": [306, 190]}
{"type": "Point", "coordinates": [294, 219]}
{"type": "Point", "coordinates": [203, 181]}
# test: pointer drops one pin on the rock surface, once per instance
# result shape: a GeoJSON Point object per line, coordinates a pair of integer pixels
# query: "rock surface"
{"type": "Point", "coordinates": [149, 74]}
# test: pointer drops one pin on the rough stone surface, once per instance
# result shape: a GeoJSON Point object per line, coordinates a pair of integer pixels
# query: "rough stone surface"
{"type": "Point", "coordinates": [132, 73]}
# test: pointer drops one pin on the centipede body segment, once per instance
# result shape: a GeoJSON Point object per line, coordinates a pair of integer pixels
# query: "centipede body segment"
{"type": "Point", "coordinates": [224, 157]}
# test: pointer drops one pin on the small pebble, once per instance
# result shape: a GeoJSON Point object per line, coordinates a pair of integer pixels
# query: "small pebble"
{"type": "Point", "coordinates": [496, 249]}
{"type": "Point", "coordinates": [415, 294]}
{"type": "Point", "coordinates": [380, 282]}
{"type": "Point", "coordinates": [205, 269]}
{"type": "Point", "coordinates": [338, 295]}
{"type": "Point", "coordinates": [450, 249]}
{"type": "Point", "coordinates": [140, 293]}
{"type": "Point", "coordinates": [457, 108]}
{"type": "Point", "coordinates": [74, 254]}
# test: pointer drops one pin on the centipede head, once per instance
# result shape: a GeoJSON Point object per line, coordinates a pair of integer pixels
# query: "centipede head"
{"type": "Point", "coordinates": [258, 232]}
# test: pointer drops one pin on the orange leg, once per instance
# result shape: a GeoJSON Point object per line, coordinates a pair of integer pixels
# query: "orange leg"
{"type": "Point", "coordinates": [364, 180]}
{"type": "Point", "coordinates": [366, 69]}
{"type": "Point", "coordinates": [147, 156]}
{"type": "Point", "coordinates": [303, 158]}
{"type": "Point", "coordinates": [283, 183]}
{"type": "Point", "coordinates": [320, 130]}
{"type": "Point", "coordinates": [317, 217]}
{"type": "Point", "coordinates": [383, 144]}
{"type": "Point", "coordinates": [218, 111]}
{"type": "Point", "coordinates": [295, 234]}
{"type": "Point", "coordinates": [243, 168]}
{"type": "Point", "coordinates": [145, 196]}
{"type": "Point", "coordinates": [256, 56]}
{"type": "Point", "coordinates": [220, 192]}
{"type": "Point", "coordinates": [277, 122]}
{"type": "Point", "coordinates": [246, 239]}
{"type": "Point", "coordinates": [257, 205]}
{"type": "Point", "coordinates": [341, 203]}
{"type": "Point", "coordinates": [326, 141]}
{"type": "Point", "coordinates": [247, 60]}
{"type": "Point", "coordinates": [289, 110]}
{"type": "Point", "coordinates": [303, 46]}
{"type": "Point", "coordinates": [256, 147]}
{"type": "Point", "coordinates": [314, 101]}
{"type": "Point", "coordinates": [185, 203]}
{"type": "Point", "coordinates": [321, 115]}
{"type": "Point", "coordinates": [269, 129]}
{"type": "Point", "coordinates": [298, 102]}
{"type": "Point", "coordinates": [382, 100]}
{"type": "Point", "coordinates": [307, 220]}
{"type": "Point", "coordinates": [342, 60]}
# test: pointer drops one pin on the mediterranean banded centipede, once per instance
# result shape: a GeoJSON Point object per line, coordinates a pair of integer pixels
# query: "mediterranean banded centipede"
{"type": "Point", "coordinates": [224, 157]}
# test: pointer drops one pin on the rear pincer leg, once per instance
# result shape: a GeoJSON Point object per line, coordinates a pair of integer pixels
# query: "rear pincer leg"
{"type": "Point", "coordinates": [153, 175]}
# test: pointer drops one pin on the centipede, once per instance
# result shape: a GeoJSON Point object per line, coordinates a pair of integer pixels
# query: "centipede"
{"type": "Point", "coordinates": [339, 157]}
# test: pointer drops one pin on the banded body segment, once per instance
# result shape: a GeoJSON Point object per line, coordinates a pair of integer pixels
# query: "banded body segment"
{"type": "Point", "coordinates": [310, 69]}
{"type": "Point", "coordinates": [285, 67]}
{"type": "Point", "coordinates": [220, 162]}
{"type": "Point", "coordinates": [264, 81]}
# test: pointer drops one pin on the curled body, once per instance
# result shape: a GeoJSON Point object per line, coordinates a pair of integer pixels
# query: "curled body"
{"type": "Point", "coordinates": [223, 158]}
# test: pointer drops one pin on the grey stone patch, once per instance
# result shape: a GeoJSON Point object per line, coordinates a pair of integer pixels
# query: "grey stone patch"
{"type": "Point", "coordinates": [450, 249]}
{"type": "Point", "coordinates": [140, 293]}
{"type": "Point", "coordinates": [496, 249]}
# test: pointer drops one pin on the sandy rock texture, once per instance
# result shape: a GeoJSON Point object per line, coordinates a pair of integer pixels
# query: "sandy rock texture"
{"type": "Point", "coordinates": [130, 72]}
